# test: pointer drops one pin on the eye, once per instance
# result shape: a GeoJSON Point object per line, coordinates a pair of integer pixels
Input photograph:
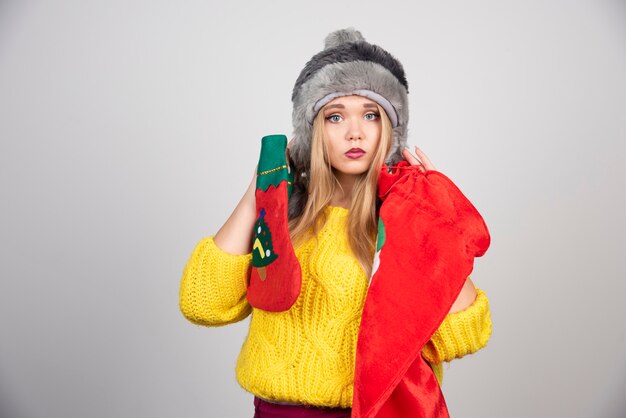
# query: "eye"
{"type": "Point", "coordinates": [334, 118]}
{"type": "Point", "coordinates": [372, 116]}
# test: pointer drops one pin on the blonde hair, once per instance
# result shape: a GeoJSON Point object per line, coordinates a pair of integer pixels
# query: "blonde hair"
{"type": "Point", "coordinates": [322, 184]}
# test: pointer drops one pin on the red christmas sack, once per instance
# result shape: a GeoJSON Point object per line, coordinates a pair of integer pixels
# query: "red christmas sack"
{"type": "Point", "coordinates": [429, 235]}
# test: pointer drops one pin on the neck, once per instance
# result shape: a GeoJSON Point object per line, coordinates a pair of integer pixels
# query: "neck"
{"type": "Point", "coordinates": [343, 195]}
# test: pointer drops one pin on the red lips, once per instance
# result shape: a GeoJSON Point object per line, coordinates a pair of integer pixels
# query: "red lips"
{"type": "Point", "coordinates": [355, 153]}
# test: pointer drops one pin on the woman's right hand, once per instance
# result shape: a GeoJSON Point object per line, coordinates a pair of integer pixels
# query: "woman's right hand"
{"type": "Point", "coordinates": [235, 236]}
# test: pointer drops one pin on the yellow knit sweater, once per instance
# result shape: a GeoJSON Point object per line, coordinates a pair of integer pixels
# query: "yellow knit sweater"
{"type": "Point", "coordinates": [306, 355]}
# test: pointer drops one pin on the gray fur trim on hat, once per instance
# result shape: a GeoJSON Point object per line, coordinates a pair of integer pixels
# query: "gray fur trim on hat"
{"type": "Point", "coordinates": [349, 65]}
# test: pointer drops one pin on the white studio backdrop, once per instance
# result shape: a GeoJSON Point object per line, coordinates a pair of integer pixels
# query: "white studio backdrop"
{"type": "Point", "coordinates": [129, 130]}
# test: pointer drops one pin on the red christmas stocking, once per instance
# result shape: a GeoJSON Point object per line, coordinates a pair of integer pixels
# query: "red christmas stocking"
{"type": "Point", "coordinates": [275, 277]}
{"type": "Point", "coordinates": [429, 234]}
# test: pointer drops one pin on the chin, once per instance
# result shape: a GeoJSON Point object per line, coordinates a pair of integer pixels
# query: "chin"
{"type": "Point", "coordinates": [353, 171]}
{"type": "Point", "coordinates": [352, 167]}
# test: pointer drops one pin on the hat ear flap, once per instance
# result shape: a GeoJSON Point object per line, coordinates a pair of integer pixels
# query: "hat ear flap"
{"type": "Point", "coordinates": [300, 153]}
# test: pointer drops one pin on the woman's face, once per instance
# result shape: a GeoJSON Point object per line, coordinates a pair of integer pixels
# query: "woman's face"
{"type": "Point", "coordinates": [352, 129]}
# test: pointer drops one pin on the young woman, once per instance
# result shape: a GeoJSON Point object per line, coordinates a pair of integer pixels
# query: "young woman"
{"type": "Point", "coordinates": [350, 117]}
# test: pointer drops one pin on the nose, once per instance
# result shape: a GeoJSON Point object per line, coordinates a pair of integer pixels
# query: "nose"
{"type": "Point", "coordinates": [355, 131]}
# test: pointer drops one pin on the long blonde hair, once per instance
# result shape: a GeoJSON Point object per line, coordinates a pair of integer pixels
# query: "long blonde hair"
{"type": "Point", "coordinates": [322, 184]}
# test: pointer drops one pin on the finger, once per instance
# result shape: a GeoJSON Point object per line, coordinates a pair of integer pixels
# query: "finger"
{"type": "Point", "coordinates": [424, 159]}
{"type": "Point", "coordinates": [410, 158]}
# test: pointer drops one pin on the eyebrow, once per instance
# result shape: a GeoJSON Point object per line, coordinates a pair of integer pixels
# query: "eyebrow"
{"type": "Point", "coordinates": [340, 106]}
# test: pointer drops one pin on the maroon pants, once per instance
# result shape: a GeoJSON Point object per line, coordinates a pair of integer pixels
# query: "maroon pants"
{"type": "Point", "coordinates": [264, 409]}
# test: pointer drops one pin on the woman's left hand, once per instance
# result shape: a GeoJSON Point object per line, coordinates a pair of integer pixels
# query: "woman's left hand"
{"type": "Point", "coordinates": [419, 159]}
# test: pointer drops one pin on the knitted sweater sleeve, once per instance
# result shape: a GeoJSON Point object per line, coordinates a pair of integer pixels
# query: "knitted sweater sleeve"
{"type": "Point", "coordinates": [213, 286]}
{"type": "Point", "coordinates": [461, 333]}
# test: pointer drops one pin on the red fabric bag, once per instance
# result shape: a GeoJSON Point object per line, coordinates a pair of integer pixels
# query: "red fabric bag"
{"type": "Point", "coordinates": [429, 234]}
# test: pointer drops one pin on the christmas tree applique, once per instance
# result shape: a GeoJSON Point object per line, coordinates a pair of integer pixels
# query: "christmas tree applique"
{"type": "Point", "coordinates": [262, 248]}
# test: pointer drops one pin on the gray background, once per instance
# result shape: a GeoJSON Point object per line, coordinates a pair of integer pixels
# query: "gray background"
{"type": "Point", "coordinates": [129, 130]}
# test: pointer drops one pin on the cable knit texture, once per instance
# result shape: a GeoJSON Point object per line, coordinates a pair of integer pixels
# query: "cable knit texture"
{"type": "Point", "coordinates": [461, 333]}
{"type": "Point", "coordinates": [213, 288]}
{"type": "Point", "coordinates": [306, 355]}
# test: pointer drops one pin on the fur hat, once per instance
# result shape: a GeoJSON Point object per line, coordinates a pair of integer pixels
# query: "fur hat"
{"type": "Point", "coordinates": [349, 65]}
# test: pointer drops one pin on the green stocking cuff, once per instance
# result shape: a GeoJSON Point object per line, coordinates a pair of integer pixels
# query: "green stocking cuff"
{"type": "Point", "coordinates": [273, 167]}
